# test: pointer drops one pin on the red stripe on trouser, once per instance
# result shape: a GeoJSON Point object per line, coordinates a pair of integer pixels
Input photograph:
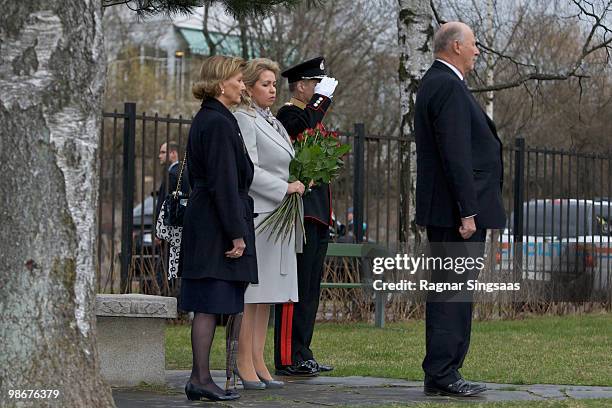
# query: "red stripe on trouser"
{"type": "Point", "coordinates": [284, 359]}
{"type": "Point", "coordinates": [290, 334]}
{"type": "Point", "coordinates": [286, 334]}
{"type": "Point", "coordinates": [283, 329]}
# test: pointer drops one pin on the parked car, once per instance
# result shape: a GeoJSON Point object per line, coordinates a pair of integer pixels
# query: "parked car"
{"type": "Point", "coordinates": [143, 229]}
{"type": "Point", "coordinates": [563, 239]}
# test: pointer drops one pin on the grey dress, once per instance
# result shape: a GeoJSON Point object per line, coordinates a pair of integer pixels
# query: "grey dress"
{"type": "Point", "coordinates": [271, 152]}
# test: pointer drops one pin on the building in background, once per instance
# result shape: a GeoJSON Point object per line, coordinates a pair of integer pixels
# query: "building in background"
{"type": "Point", "coordinates": [153, 60]}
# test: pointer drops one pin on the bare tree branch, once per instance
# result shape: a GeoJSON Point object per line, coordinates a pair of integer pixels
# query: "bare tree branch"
{"type": "Point", "coordinates": [212, 44]}
{"type": "Point", "coordinates": [110, 3]}
{"type": "Point", "coordinates": [504, 56]}
{"type": "Point", "coordinates": [439, 19]}
{"type": "Point", "coordinates": [536, 73]}
{"type": "Point", "coordinates": [528, 77]}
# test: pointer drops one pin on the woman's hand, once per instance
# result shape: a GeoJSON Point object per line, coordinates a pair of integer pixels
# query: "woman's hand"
{"type": "Point", "coordinates": [295, 187]}
{"type": "Point", "coordinates": [238, 249]}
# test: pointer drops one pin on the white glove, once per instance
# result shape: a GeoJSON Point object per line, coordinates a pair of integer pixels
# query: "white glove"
{"type": "Point", "coordinates": [326, 87]}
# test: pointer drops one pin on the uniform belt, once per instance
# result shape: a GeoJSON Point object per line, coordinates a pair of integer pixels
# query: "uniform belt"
{"type": "Point", "coordinates": [201, 184]}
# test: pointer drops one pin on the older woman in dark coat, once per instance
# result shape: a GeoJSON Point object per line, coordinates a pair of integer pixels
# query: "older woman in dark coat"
{"type": "Point", "coordinates": [218, 243]}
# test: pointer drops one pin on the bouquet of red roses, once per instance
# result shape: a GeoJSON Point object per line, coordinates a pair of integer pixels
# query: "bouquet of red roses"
{"type": "Point", "coordinates": [318, 159]}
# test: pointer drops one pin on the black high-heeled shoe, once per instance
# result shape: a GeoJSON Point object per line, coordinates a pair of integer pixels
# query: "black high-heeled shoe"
{"type": "Point", "coordinates": [196, 393]}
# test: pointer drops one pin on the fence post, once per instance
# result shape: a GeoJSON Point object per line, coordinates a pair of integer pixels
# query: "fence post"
{"type": "Point", "coordinates": [358, 182]}
{"type": "Point", "coordinates": [518, 226]}
{"type": "Point", "coordinates": [127, 210]}
{"type": "Point", "coordinates": [359, 212]}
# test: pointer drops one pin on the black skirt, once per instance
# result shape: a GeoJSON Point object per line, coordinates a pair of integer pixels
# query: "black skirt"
{"type": "Point", "coordinates": [213, 296]}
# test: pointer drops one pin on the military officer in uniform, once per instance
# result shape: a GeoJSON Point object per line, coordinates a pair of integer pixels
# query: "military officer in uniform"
{"type": "Point", "coordinates": [312, 91]}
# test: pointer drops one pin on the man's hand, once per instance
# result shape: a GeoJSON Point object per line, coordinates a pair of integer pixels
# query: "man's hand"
{"type": "Point", "coordinates": [326, 87]}
{"type": "Point", "coordinates": [467, 228]}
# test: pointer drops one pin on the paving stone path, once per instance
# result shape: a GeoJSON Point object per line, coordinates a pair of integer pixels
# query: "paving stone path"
{"type": "Point", "coordinates": [340, 392]}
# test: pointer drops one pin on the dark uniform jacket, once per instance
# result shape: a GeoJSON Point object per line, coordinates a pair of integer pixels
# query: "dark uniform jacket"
{"type": "Point", "coordinates": [297, 117]}
{"type": "Point", "coordinates": [219, 207]}
{"type": "Point", "coordinates": [173, 174]}
{"type": "Point", "coordinates": [459, 155]}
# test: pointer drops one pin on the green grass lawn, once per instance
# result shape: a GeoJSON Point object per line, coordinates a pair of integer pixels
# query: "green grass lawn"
{"type": "Point", "coordinates": [549, 350]}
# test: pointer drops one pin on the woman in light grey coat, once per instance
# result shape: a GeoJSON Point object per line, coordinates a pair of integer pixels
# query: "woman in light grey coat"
{"type": "Point", "coordinates": [271, 151]}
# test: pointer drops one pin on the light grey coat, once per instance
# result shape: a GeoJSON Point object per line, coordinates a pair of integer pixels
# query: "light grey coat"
{"type": "Point", "coordinates": [271, 152]}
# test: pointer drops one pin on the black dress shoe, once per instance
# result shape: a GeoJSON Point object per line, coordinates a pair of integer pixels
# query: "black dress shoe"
{"type": "Point", "coordinates": [301, 369]}
{"type": "Point", "coordinates": [321, 367]}
{"type": "Point", "coordinates": [459, 388]}
{"type": "Point", "coordinates": [196, 393]}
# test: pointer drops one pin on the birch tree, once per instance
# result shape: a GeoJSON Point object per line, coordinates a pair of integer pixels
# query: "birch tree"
{"type": "Point", "coordinates": [51, 81]}
{"type": "Point", "coordinates": [415, 35]}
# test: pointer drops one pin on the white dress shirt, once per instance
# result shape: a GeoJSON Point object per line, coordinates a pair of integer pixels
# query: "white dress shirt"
{"type": "Point", "coordinates": [454, 68]}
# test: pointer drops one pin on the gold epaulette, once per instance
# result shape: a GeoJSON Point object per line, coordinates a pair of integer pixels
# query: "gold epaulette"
{"type": "Point", "coordinates": [298, 103]}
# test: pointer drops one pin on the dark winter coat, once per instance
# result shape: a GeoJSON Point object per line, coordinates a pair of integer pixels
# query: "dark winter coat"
{"type": "Point", "coordinates": [459, 155]}
{"type": "Point", "coordinates": [219, 208]}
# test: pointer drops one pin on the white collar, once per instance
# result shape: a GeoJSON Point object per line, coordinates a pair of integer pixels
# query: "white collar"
{"type": "Point", "coordinates": [173, 164]}
{"type": "Point", "coordinates": [451, 66]}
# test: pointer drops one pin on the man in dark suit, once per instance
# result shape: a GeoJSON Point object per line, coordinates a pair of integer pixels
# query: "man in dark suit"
{"type": "Point", "coordinates": [458, 197]}
{"type": "Point", "coordinates": [169, 156]}
{"type": "Point", "coordinates": [294, 322]}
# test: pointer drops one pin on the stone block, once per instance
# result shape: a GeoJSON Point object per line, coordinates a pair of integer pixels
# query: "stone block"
{"type": "Point", "coordinates": [131, 337]}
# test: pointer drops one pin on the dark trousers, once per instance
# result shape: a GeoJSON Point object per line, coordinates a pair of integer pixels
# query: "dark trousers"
{"type": "Point", "coordinates": [448, 319]}
{"type": "Point", "coordinates": [294, 322]}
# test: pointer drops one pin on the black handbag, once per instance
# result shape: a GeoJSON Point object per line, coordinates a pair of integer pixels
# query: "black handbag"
{"type": "Point", "coordinates": [175, 202]}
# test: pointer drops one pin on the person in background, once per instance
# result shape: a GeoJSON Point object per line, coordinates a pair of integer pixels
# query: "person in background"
{"type": "Point", "coordinates": [170, 160]}
{"type": "Point", "coordinates": [349, 230]}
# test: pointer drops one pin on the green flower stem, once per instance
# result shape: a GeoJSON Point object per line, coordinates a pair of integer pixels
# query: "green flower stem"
{"type": "Point", "coordinates": [281, 222]}
{"type": "Point", "coordinates": [288, 215]}
{"type": "Point", "coordinates": [270, 219]}
{"type": "Point", "coordinates": [285, 209]}
{"type": "Point", "coordinates": [289, 221]}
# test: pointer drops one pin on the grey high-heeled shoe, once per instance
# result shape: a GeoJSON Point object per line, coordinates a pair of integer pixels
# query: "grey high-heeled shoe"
{"type": "Point", "coordinates": [272, 384]}
{"type": "Point", "coordinates": [250, 385]}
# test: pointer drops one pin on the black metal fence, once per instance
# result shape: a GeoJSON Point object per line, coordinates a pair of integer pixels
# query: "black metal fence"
{"type": "Point", "coordinates": [559, 226]}
{"type": "Point", "coordinates": [367, 190]}
{"type": "Point", "coordinates": [537, 182]}
{"type": "Point", "coordinates": [130, 174]}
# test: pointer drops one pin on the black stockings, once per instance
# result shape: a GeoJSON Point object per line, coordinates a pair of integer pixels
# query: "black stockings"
{"type": "Point", "coordinates": [202, 334]}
